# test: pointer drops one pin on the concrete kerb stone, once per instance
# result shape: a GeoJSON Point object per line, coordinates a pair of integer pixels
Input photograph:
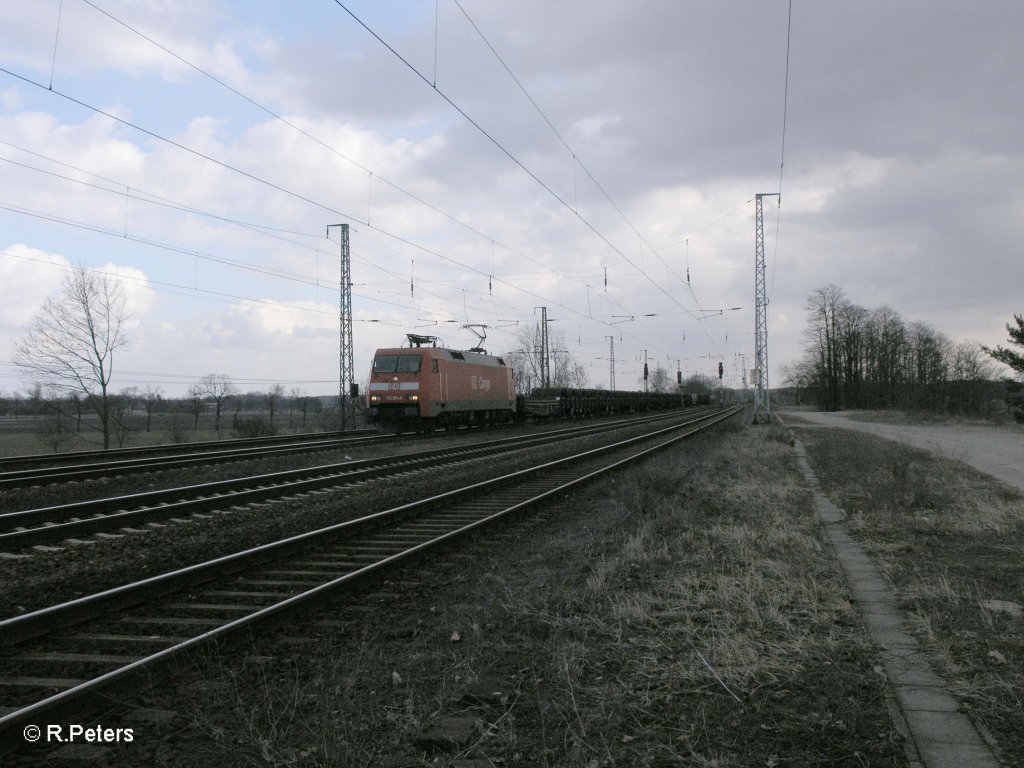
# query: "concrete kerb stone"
{"type": "Point", "coordinates": [926, 699]}
{"type": "Point", "coordinates": [939, 736]}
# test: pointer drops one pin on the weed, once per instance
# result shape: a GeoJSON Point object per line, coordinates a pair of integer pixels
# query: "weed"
{"type": "Point", "coordinates": [949, 538]}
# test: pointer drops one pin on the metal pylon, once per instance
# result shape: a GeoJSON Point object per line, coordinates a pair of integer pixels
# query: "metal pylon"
{"type": "Point", "coordinates": [545, 353]}
{"type": "Point", "coordinates": [762, 400]}
{"type": "Point", "coordinates": [346, 363]}
{"type": "Point", "coordinates": [611, 363]}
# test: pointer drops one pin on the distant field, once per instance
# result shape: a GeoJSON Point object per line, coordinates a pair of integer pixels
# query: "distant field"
{"type": "Point", "coordinates": [21, 435]}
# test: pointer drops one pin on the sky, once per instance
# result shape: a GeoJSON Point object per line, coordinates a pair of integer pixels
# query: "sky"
{"type": "Point", "coordinates": [598, 159]}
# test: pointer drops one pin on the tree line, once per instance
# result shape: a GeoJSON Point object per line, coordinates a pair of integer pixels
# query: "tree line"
{"type": "Point", "coordinates": [855, 358]}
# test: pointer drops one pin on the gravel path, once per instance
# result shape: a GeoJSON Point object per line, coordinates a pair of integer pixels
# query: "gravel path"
{"type": "Point", "coordinates": [996, 451]}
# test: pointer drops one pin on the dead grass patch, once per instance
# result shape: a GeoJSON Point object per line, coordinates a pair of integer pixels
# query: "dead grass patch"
{"type": "Point", "coordinates": [950, 538]}
{"type": "Point", "coordinates": [683, 613]}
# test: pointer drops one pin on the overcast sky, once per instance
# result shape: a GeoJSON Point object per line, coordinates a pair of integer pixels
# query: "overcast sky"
{"type": "Point", "coordinates": [658, 122]}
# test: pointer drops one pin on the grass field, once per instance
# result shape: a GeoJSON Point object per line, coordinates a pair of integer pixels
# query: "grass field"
{"type": "Point", "coordinates": [682, 613]}
{"type": "Point", "coordinates": [29, 443]}
{"type": "Point", "coordinates": [951, 539]}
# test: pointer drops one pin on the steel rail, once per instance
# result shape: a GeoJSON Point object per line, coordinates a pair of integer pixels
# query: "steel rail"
{"type": "Point", "coordinates": [21, 478]}
{"type": "Point", "coordinates": [463, 509]}
{"type": "Point", "coordinates": [182, 449]}
{"type": "Point", "coordinates": [84, 518]}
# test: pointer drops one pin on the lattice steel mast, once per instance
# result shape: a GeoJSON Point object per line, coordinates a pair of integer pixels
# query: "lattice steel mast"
{"type": "Point", "coordinates": [762, 401]}
{"type": "Point", "coordinates": [346, 363]}
{"type": "Point", "coordinates": [611, 363]}
{"type": "Point", "coordinates": [545, 360]}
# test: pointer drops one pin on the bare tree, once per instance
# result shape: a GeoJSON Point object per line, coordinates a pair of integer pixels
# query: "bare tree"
{"type": "Point", "coordinates": [297, 399]}
{"type": "Point", "coordinates": [123, 416]}
{"type": "Point", "coordinates": [972, 374]}
{"type": "Point", "coordinates": [197, 396]}
{"type": "Point", "coordinates": [660, 381]}
{"type": "Point", "coordinates": [799, 376]}
{"type": "Point", "coordinates": [70, 343]}
{"type": "Point", "coordinates": [526, 358]}
{"type": "Point", "coordinates": [152, 395]}
{"type": "Point", "coordinates": [218, 387]}
{"type": "Point", "coordinates": [824, 307]}
{"type": "Point", "coordinates": [272, 397]}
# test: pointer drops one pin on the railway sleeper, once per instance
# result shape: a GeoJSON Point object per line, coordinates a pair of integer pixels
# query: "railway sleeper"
{"type": "Point", "coordinates": [57, 657]}
{"type": "Point", "coordinates": [244, 595]}
{"type": "Point", "coordinates": [156, 641]}
{"type": "Point", "coordinates": [172, 620]}
{"type": "Point", "coordinates": [219, 607]}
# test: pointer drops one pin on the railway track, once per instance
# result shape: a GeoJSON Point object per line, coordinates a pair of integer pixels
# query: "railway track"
{"type": "Point", "coordinates": [80, 656]}
{"type": "Point", "coordinates": [50, 525]}
{"type": "Point", "coordinates": [94, 469]}
{"type": "Point", "coordinates": [180, 449]}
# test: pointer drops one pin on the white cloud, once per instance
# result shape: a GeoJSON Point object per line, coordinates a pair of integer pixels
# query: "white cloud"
{"type": "Point", "coordinates": [902, 184]}
{"type": "Point", "coordinates": [29, 277]}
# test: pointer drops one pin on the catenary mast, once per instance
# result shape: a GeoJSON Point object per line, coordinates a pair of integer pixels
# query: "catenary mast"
{"type": "Point", "coordinates": [762, 401]}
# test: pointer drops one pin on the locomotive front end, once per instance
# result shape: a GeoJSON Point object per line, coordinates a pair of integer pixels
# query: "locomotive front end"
{"type": "Point", "coordinates": [395, 393]}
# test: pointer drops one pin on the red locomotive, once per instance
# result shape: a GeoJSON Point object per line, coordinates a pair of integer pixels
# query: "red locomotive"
{"type": "Point", "coordinates": [425, 387]}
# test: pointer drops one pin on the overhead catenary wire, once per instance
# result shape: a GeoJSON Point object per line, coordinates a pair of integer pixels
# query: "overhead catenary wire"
{"type": "Point", "coordinates": [202, 255]}
{"type": "Point", "coordinates": [575, 157]}
{"type": "Point", "coordinates": [371, 174]}
{"type": "Point", "coordinates": [782, 151]}
{"type": "Point", "coordinates": [504, 150]}
{"type": "Point", "coordinates": [276, 187]}
{"type": "Point", "coordinates": [560, 273]}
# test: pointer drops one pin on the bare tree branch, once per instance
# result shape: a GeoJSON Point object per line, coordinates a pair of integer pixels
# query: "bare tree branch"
{"type": "Point", "coordinates": [70, 343]}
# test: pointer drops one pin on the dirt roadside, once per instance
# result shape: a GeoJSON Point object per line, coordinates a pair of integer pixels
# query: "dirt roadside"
{"type": "Point", "coordinates": [996, 451]}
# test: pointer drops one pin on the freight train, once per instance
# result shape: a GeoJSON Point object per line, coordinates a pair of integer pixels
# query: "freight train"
{"type": "Point", "coordinates": [424, 387]}
{"type": "Point", "coordinates": [582, 403]}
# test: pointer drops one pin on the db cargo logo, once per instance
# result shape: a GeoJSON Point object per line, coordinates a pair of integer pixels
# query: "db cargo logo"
{"type": "Point", "coordinates": [479, 382]}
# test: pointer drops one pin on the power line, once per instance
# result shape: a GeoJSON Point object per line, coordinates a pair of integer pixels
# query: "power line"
{"type": "Point", "coordinates": [352, 218]}
{"type": "Point", "coordinates": [269, 184]}
{"type": "Point", "coordinates": [575, 157]}
{"type": "Point", "coordinates": [220, 296]}
{"type": "Point", "coordinates": [371, 173]}
{"type": "Point", "coordinates": [507, 152]}
{"type": "Point", "coordinates": [150, 197]}
{"type": "Point", "coordinates": [278, 187]}
{"type": "Point", "coordinates": [782, 151]}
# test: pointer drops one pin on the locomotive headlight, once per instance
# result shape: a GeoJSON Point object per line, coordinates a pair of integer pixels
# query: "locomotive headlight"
{"type": "Point", "coordinates": [374, 398]}
{"type": "Point", "coordinates": [413, 397]}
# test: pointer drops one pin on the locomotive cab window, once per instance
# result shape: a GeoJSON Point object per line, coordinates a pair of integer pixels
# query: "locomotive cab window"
{"type": "Point", "coordinates": [397, 363]}
{"type": "Point", "coordinates": [433, 366]}
{"type": "Point", "coordinates": [385, 364]}
{"type": "Point", "coordinates": [409, 363]}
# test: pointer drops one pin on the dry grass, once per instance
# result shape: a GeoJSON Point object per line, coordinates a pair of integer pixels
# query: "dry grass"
{"type": "Point", "coordinates": [681, 614]}
{"type": "Point", "coordinates": [950, 538]}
